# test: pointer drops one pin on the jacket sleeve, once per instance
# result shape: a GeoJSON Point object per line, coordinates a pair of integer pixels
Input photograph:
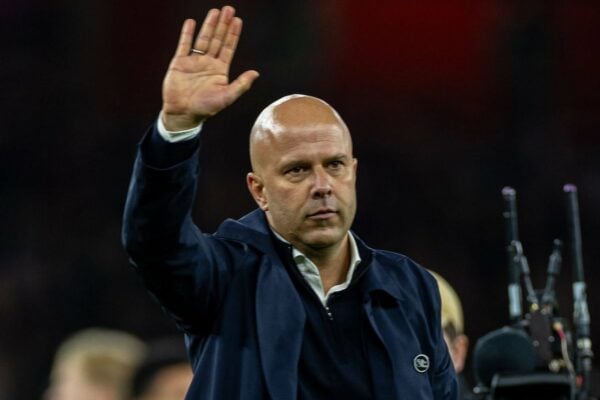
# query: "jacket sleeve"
{"type": "Point", "coordinates": [184, 269]}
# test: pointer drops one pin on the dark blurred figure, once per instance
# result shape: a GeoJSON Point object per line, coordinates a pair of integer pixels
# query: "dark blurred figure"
{"type": "Point", "coordinates": [453, 326]}
{"type": "Point", "coordinates": [165, 373]}
{"type": "Point", "coordinates": [95, 364]}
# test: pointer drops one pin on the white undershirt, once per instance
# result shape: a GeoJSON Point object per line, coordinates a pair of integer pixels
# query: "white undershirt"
{"type": "Point", "coordinates": [311, 274]}
{"type": "Point", "coordinates": [176, 136]}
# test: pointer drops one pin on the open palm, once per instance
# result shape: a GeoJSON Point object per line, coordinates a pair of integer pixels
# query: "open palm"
{"type": "Point", "coordinates": [197, 84]}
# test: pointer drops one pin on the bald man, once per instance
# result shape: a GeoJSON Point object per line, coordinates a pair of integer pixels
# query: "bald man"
{"type": "Point", "coordinates": [286, 302]}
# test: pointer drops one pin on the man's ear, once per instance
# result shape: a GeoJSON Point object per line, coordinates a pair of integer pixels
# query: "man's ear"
{"type": "Point", "coordinates": [257, 190]}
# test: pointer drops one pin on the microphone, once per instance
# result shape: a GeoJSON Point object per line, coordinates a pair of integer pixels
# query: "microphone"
{"type": "Point", "coordinates": [581, 316]}
{"type": "Point", "coordinates": [520, 262]}
{"type": "Point", "coordinates": [554, 262]}
{"type": "Point", "coordinates": [512, 235]}
{"type": "Point", "coordinates": [503, 351]}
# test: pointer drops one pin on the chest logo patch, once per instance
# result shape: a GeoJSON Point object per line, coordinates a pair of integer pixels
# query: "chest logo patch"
{"type": "Point", "coordinates": [421, 363]}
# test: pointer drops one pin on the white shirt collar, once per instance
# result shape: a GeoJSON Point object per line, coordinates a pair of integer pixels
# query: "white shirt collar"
{"type": "Point", "coordinates": [311, 274]}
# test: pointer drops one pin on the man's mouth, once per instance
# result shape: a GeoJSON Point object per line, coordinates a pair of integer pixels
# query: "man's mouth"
{"type": "Point", "coordinates": [323, 213]}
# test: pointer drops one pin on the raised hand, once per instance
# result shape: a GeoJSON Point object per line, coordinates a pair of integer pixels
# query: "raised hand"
{"type": "Point", "coordinates": [197, 85]}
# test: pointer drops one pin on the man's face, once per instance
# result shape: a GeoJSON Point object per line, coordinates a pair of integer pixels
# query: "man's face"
{"type": "Point", "coordinates": [306, 183]}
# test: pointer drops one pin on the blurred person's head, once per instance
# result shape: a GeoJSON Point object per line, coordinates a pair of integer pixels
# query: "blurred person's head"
{"type": "Point", "coordinates": [95, 364]}
{"type": "Point", "coordinates": [453, 324]}
{"type": "Point", "coordinates": [165, 373]}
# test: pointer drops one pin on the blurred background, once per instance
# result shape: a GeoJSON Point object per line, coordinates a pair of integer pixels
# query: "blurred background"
{"type": "Point", "coordinates": [448, 102]}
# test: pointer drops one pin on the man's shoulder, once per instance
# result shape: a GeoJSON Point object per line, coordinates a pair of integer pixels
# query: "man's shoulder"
{"type": "Point", "coordinates": [409, 275]}
{"type": "Point", "coordinates": [398, 264]}
{"type": "Point", "coordinates": [391, 262]}
{"type": "Point", "coordinates": [401, 264]}
{"type": "Point", "coordinates": [252, 229]}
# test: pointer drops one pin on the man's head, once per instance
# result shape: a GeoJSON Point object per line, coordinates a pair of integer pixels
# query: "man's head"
{"type": "Point", "coordinates": [453, 323]}
{"type": "Point", "coordinates": [303, 172]}
{"type": "Point", "coordinates": [95, 364]}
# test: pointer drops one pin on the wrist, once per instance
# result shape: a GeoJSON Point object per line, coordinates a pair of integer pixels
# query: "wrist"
{"type": "Point", "coordinates": [180, 122]}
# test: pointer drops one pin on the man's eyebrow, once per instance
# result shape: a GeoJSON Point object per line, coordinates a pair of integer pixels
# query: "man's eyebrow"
{"type": "Point", "coordinates": [339, 156]}
{"type": "Point", "coordinates": [296, 162]}
{"type": "Point", "coordinates": [285, 165]}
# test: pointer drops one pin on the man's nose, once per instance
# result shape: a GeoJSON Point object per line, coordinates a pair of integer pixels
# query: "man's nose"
{"type": "Point", "coordinates": [322, 183]}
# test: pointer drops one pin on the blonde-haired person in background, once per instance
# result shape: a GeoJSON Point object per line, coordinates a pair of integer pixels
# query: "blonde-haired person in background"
{"type": "Point", "coordinates": [165, 373]}
{"type": "Point", "coordinates": [95, 364]}
{"type": "Point", "coordinates": [453, 326]}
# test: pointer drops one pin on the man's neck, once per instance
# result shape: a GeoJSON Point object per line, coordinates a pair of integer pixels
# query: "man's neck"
{"type": "Point", "coordinates": [333, 262]}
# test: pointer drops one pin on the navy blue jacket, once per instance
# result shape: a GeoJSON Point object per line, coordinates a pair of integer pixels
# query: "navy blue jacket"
{"type": "Point", "coordinates": [243, 318]}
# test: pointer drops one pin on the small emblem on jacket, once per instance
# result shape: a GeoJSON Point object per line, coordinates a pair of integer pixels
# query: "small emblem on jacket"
{"type": "Point", "coordinates": [421, 363]}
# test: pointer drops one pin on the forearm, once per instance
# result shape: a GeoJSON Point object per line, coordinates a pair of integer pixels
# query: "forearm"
{"type": "Point", "coordinates": [175, 260]}
{"type": "Point", "coordinates": [160, 197]}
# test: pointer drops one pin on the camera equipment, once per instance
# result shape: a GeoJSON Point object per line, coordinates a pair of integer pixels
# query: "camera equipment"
{"type": "Point", "coordinates": [537, 356]}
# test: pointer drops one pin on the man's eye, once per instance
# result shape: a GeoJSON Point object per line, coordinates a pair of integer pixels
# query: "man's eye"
{"type": "Point", "coordinates": [336, 164]}
{"type": "Point", "coordinates": [296, 170]}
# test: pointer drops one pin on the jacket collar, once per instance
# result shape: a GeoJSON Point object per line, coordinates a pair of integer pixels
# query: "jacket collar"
{"type": "Point", "coordinates": [254, 230]}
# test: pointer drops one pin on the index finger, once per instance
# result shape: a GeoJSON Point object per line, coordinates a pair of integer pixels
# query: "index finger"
{"type": "Point", "coordinates": [185, 38]}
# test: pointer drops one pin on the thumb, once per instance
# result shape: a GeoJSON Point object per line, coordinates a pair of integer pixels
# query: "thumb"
{"type": "Point", "coordinates": [242, 84]}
